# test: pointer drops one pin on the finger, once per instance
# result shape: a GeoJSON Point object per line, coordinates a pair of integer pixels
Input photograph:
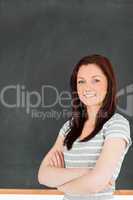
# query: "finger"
{"type": "Point", "coordinates": [51, 162]}
{"type": "Point", "coordinates": [61, 158]}
{"type": "Point", "coordinates": [57, 154]}
{"type": "Point", "coordinates": [54, 160]}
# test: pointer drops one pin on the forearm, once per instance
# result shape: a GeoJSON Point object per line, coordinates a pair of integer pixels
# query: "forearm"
{"type": "Point", "coordinates": [55, 177]}
{"type": "Point", "coordinates": [75, 187]}
{"type": "Point", "coordinates": [84, 185]}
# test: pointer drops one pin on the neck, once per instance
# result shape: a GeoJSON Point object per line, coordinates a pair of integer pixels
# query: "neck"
{"type": "Point", "coordinates": [92, 112]}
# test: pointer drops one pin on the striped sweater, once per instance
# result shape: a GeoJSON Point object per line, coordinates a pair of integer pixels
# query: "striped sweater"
{"type": "Point", "coordinates": [85, 154]}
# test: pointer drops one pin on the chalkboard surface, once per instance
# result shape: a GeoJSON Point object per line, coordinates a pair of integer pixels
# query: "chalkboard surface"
{"type": "Point", "coordinates": [40, 42]}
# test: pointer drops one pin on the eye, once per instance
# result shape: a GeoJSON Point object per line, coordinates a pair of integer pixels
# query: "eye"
{"type": "Point", "coordinates": [81, 81]}
{"type": "Point", "coordinates": [96, 80]}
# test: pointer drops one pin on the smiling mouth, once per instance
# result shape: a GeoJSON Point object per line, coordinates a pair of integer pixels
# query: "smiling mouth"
{"type": "Point", "coordinates": [87, 95]}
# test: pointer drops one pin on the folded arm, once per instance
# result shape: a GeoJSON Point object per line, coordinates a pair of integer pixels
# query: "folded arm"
{"type": "Point", "coordinates": [100, 176]}
{"type": "Point", "coordinates": [55, 177]}
{"type": "Point", "coordinates": [52, 172]}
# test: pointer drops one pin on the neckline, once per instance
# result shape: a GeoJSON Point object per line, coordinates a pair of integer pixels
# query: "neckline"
{"type": "Point", "coordinates": [78, 139]}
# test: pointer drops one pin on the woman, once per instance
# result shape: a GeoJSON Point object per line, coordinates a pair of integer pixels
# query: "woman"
{"type": "Point", "coordinates": [86, 158]}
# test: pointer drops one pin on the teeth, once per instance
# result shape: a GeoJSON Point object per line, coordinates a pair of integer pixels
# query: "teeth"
{"type": "Point", "coordinates": [89, 94]}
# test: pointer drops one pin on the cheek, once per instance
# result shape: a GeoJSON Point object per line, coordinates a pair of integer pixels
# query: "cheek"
{"type": "Point", "coordinates": [80, 89]}
{"type": "Point", "coordinates": [101, 89]}
{"type": "Point", "coordinates": [80, 92]}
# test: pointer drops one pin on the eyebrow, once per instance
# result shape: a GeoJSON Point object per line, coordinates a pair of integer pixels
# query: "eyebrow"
{"type": "Point", "coordinates": [92, 76]}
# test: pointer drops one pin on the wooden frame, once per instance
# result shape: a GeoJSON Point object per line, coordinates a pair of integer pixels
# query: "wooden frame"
{"type": "Point", "coordinates": [51, 191]}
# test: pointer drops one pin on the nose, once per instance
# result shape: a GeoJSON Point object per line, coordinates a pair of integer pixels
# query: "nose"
{"type": "Point", "coordinates": [89, 87]}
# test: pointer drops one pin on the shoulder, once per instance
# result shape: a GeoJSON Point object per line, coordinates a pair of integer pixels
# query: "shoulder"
{"type": "Point", "coordinates": [65, 128]}
{"type": "Point", "coordinates": [118, 127]}
{"type": "Point", "coordinates": [117, 119]}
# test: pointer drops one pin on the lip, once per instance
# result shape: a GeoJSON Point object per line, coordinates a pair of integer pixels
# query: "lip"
{"type": "Point", "coordinates": [91, 95]}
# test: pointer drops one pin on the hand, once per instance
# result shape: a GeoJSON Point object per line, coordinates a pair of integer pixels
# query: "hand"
{"type": "Point", "coordinates": [56, 159]}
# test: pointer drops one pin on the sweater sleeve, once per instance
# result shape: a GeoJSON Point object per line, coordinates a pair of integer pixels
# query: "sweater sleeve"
{"type": "Point", "coordinates": [118, 126]}
{"type": "Point", "coordinates": [65, 128]}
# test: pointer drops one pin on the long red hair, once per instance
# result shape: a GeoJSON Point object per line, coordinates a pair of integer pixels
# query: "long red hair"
{"type": "Point", "coordinates": [79, 112]}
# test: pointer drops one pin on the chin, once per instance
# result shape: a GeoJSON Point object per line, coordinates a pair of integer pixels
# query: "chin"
{"type": "Point", "coordinates": [87, 103]}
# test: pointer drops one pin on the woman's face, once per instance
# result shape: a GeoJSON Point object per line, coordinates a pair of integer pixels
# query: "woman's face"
{"type": "Point", "coordinates": [91, 85]}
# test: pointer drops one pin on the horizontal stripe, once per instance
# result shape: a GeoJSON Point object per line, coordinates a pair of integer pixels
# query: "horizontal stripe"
{"type": "Point", "coordinates": [77, 165]}
{"type": "Point", "coordinates": [93, 141]}
{"type": "Point", "coordinates": [118, 122]}
{"type": "Point", "coordinates": [83, 151]}
{"type": "Point", "coordinates": [117, 131]}
{"type": "Point", "coordinates": [94, 144]}
{"type": "Point", "coordinates": [120, 125]}
{"type": "Point", "coordinates": [85, 158]}
{"type": "Point", "coordinates": [79, 154]}
{"type": "Point", "coordinates": [87, 147]}
{"type": "Point", "coordinates": [80, 161]}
